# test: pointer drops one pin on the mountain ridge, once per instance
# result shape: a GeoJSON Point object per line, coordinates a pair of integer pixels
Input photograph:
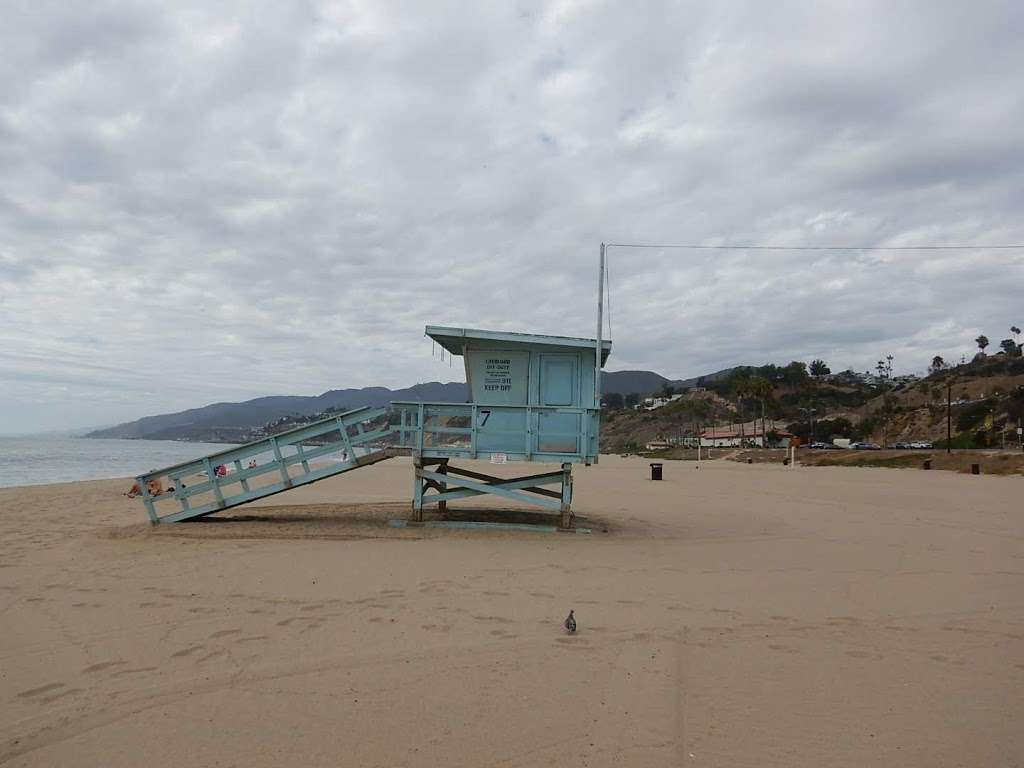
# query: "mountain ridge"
{"type": "Point", "coordinates": [229, 420]}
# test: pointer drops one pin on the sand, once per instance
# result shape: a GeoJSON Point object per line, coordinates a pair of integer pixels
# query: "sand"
{"type": "Point", "coordinates": [736, 615]}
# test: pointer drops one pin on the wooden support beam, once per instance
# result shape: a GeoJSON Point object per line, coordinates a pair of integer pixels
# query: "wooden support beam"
{"type": "Point", "coordinates": [442, 505]}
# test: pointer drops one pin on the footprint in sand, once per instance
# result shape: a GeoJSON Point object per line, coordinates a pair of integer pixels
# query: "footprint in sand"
{"type": "Point", "coordinates": [41, 689]}
{"type": "Point", "coordinates": [225, 632]}
{"type": "Point", "coordinates": [186, 651]}
{"type": "Point", "coordinates": [103, 665]}
{"type": "Point", "coordinates": [134, 671]}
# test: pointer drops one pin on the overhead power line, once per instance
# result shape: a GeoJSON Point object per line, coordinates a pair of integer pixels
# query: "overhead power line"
{"type": "Point", "coordinates": [818, 247]}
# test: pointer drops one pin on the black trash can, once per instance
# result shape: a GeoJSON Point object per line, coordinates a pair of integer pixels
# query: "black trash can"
{"type": "Point", "coordinates": [975, 469]}
{"type": "Point", "coordinates": [927, 463]}
{"type": "Point", "coordinates": [655, 471]}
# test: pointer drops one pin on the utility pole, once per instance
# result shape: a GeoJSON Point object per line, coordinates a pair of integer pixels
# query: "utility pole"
{"type": "Point", "coordinates": [949, 415]}
{"type": "Point", "coordinates": [598, 345]}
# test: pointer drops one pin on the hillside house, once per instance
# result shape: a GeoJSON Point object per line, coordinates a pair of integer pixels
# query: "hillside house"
{"type": "Point", "coordinates": [750, 435]}
{"type": "Point", "coordinates": [652, 403]}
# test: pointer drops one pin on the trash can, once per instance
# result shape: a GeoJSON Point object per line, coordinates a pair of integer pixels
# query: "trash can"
{"type": "Point", "coordinates": [655, 471]}
{"type": "Point", "coordinates": [975, 469]}
{"type": "Point", "coordinates": [750, 461]}
{"type": "Point", "coordinates": [927, 464]}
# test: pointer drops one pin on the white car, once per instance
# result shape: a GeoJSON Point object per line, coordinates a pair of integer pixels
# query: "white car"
{"type": "Point", "coordinates": [921, 445]}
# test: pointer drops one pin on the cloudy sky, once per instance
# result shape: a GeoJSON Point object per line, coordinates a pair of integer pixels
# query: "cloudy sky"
{"type": "Point", "coordinates": [215, 201]}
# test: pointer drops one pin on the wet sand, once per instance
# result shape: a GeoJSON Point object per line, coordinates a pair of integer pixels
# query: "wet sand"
{"type": "Point", "coordinates": [735, 615]}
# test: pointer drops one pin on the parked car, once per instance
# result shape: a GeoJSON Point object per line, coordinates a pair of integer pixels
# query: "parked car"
{"type": "Point", "coordinates": [820, 445]}
{"type": "Point", "coordinates": [921, 445]}
{"type": "Point", "coordinates": [900, 446]}
{"type": "Point", "coordinates": [866, 447]}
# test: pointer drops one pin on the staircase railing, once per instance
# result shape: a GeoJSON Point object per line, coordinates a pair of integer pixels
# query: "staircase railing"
{"type": "Point", "coordinates": [265, 467]}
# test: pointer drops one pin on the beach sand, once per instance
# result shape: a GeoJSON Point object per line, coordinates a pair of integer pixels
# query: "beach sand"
{"type": "Point", "coordinates": [732, 615]}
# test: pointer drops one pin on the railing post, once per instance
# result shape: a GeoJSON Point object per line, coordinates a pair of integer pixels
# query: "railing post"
{"type": "Point", "coordinates": [147, 499]}
{"type": "Point", "coordinates": [350, 453]}
{"type": "Point", "coordinates": [305, 464]}
{"type": "Point", "coordinates": [210, 473]}
{"type": "Point", "coordinates": [474, 415]}
{"type": "Point", "coordinates": [243, 481]}
{"type": "Point", "coordinates": [421, 428]}
{"type": "Point", "coordinates": [280, 463]}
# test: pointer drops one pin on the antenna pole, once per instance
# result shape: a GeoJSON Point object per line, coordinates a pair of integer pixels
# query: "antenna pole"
{"type": "Point", "coordinates": [600, 312]}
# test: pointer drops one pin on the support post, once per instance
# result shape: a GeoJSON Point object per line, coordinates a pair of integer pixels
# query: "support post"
{"type": "Point", "coordinates": [147, 499]}
{"type": "Point", "coordinates": [442, 469]}
{"type": "Point", "coordinates": [600, 312]}
{"type": "Point", "coordinates": [949, 416]}
{"type": "Point", "coordinates": [417, 490]}
{"type": "Point", "coordinates": [565, 510]}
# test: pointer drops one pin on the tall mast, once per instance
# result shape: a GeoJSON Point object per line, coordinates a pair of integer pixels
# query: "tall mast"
{"type": "Point", "coordinates": [600, 311]}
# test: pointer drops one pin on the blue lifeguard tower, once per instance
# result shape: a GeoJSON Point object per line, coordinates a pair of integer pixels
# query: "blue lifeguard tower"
{"type": "Point", "coordinates": [533, 398]}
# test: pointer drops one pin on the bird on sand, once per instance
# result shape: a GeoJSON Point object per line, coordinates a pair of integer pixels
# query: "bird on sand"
{"type": "Point", "coordinates": [570, 623]}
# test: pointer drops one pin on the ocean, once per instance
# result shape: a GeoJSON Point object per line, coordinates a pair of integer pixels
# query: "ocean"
{"type": "Point", "coordinates": [40, 460]}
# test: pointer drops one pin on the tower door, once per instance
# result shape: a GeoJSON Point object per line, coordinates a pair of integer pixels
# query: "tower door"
{"type": "Point", "coordinates": [558, 432]}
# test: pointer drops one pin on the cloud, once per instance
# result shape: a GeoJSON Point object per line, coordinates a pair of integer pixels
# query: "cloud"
{"type": "Point", "coordinates": [207, 202]}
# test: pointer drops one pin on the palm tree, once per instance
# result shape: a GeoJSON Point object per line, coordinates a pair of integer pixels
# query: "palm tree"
{"type": "Point", "coordinates": [938, 364]}
{"type": "Point", "coordinates": [982, 342]}
{"type": "Point", "coordinates": [761, 389]}
{"type": "Point", "coordinates": [741, 384]}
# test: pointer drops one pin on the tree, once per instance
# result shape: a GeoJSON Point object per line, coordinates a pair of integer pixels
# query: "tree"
{"type": "Point", "coordinates": [1015, 332]}
{"type": "Point", "coordinates": [739, 383]}
{"type": "Point", "coordinates": [794, 373]}
{"type": "Point", "coordinates": [937, 364]}
{"type": "Point", "coordinates": [982, 342]}
{"type": "Point", "coordinates": [819, 368]}
{"type": "Point", "coordinates": [1009, 346]}
{"type": "Point", "coordinates": [760, 389]}
{"type": "Point", "coordinates": [632, 399]}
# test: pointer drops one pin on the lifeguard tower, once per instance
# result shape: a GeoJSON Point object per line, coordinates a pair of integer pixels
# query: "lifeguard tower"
{"type": "Point", "coordinates": [533, 398]}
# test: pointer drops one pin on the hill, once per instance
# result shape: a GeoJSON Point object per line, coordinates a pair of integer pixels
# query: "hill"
{"type": "Point", "coordinates": [987, 396]}
{"type": "Point", "coordinates": [237, 422]}
{"type": "Point", "coordinates": [231, 422]}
